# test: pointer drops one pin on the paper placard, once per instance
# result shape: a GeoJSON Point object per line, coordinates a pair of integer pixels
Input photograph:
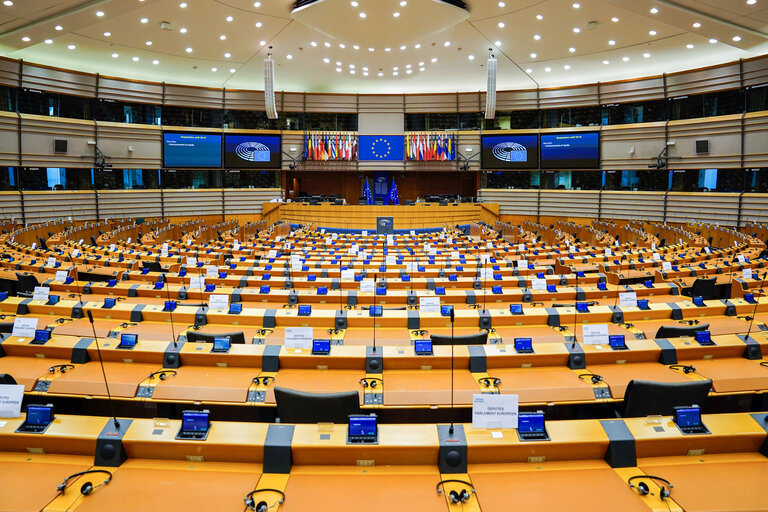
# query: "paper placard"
{"type": "Point", "coordinates": [236, 246]}
{"type": "Point", "coordinates": [411, 266]}
{"type": "Point", "coordinates": [455, 255]}
{"type": "Point", "coordinates": [34, 244]}
{"type": "Point", "coordinates": [41, 293]}
{"type": "Point", "coordinates": [741, 258]}
{"type": "Point", "coordinates": [571, 249]}
{"type": "Point", "coordinates": [432, 251]}
{"type": "Point", "coordinates": [197, 282]}
{"type": "Point", "coordinates": [538, 284]}
{"type": "Point", "coordinates": [164, 252]}
{"type": "Point", "coordinates": [656, 256]}
{"type": "Point", "coordinates": [666, 266]}
{"type": "Point", "coordinates": [112, 247]}
{"type": "Point", "coordinates": [218, 302]}
{"type": "Point", "coordinates": [390, 239]}
{"type": "Point", "coordinates": [708, 250]}
{"type": "Point", "coordinates": [413, 232]}
{"type": "Point", "coordinates": [521, 247]}
{"type": "Point", "coordinates": [746, 273]}
{"type": "Point", "coordinates": [390, 260]}
{"type": "Point", "coordinates": [24, 327]}
{"type": "Point", "coordinates": [653, 247]}
{"type": "Point", "coordinates": [429, 304]}
{"type": "Point", "coordinates": [486, 273]}
{"type": "Point", "coordinates": [495, 411]}
{"type": "Point", "coordinates": [594, 334]}
{"type": "Point", "coordinates": [298, 337]}
{"type": "Point", "coordinates": [82, 240]}
{"type": "Point", "coordinates": [367, 285]}
{"type": "Point", "coordinates": [191, 261]}
{"type": "Point", "coordinates": [272, 253]}
{"type": "Point", "coordinates": [608, 252]}
{"type": "Point", "coordinates": [365, 233]}
{"type": "Point", "coordinates": [522, 263]}
{"type": "Point", "coordinates": [61, 275]}
{"type": "Point", "coordinates": [51, 262]}
{"type": "Point", "coordinates": [76, 253]}
{"type": "Point", "coordinates": [627, 299]}
{"type": "Point", "coordinates": [348, 274]}
{"type": "Point", "coordinates": [11, 396]}
{"type": "Point", "coordinates": [211, 272]}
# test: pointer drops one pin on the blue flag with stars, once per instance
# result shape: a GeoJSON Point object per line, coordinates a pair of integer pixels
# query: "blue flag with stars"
{"type": "Point", "coordinates": [367, 192]}
{"type": "Point", "coordinates": [393, 197]}
{"type": "Point", "coordinates": [381, 147]}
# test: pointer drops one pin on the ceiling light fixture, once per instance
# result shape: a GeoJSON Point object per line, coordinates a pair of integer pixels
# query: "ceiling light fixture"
{"type": "Point", "coordinates": [229, 18]}
{"type": "Point", "coordinates": [58, 27]}
{"type": "Point", "coordinates": [501, 24]}
{"type": "Point", "coordinates": [615, 19]}
{"type": "Point", "coordinates": [289, 56]}
{"type": "Point", "coordinates": [183, 30]}
{"type": "Point", "coordinates": [576, 30]}
{"type": "Point", "coordinates": [99, 13]}
{"type": "Point", "coordinates": [115, 55]}
{"type": "Point", "coordinates": [71, 47]}
{"type": "Point", "coordinates": [737, 38]}
{"type": "Point", "coordinates": [654, 10]}
{"type": "Point", "coordinates": [696, 25]}
{"type": "Point", "coordinates": [363, 15]}
{"type": "Point", "coordinates": [155, 62]}
{"type": "Point", "coordinates": [144, 20]}
{"type": "Point", "coordinates": [227, 55]}
{"type": "Point", "coordinates": [107, 34]}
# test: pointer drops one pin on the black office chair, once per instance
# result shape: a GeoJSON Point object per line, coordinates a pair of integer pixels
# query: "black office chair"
{"type": "Point", "coordinates": [480, 338]}
{"type": "Point", "coordinates": [301, 407]}
{"type": "Point", "coordinates": [645, 397]}
{"type": "Point", "coordinates": [679, 331]}
{"type": "Point", "coordinates": [704, 288]}
{"type": "Point", "coordinates": [7, 378]}
{"type": "Point", "coordinates": [27, 284]}
{"type": "Point", "coordinates": [409, 202]}
{"type": "Point", "coordinates": [338, 202]}
{"type": "Point", "coordinates": [362, 201]}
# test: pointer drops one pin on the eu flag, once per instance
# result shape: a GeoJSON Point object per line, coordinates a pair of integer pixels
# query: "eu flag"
{"type": "Point", "coordinates": [367, 192]}
{"type": "Point", "coordinates": [381, 147]}
{"type": "Point", "coordinates": [394, 198]}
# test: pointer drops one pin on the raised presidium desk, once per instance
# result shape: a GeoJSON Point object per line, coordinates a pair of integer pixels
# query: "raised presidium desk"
{"type": "Point", "coordinates": [585, 466]}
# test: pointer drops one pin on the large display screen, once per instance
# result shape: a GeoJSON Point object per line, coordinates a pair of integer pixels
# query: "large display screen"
{"type": "Point", "coordinates": [570, 150]}
{"type": "Point", "coordinates": [184, 150]}
{"type": "Point", "coordinates": [252, 151]}
{"type": "Point", "coordinates": [510, 152]}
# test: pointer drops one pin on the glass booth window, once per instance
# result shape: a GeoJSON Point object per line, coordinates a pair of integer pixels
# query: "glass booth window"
{"type": "Point", "coordinates": [651, 180]}
{"type": "Point", "coordinates": [512, 179]}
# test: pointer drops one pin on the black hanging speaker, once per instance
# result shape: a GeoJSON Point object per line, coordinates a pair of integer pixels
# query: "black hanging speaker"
{"type": "Point", "coordinates": [702, 146]}
{"type": "Point", "coordinates": [59, 145]}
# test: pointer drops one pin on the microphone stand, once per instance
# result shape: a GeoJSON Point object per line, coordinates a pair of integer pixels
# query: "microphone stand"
{"type": "Point", "coordinates": [754, 311]}
{"type": "Point", "coordinates": [450, 430]}
{"type": "Point", "coordinates": [170, 313]}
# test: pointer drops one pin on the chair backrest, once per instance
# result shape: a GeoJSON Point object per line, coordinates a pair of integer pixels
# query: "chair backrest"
{"type": "Point", "coordinates": [645, 397]}
{"type": "Point", "coordinates": [704, 288]}
{"type": "Point", "coordinates": [295, 406]}
{"type": "Point", "coordinates": [7, 378]}
{"type": "Point", "coordinates": [206, 337]}
{"type": "Point", "coordinates": [27, 283]}
{"type": "Point", "coordinates": [6, 327]}
{"type": "Point", "coordinates": [678, 331]}
{"type": "Point", "coordinates": [480, 338]}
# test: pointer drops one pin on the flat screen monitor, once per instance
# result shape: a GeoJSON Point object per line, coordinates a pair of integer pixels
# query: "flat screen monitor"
{"type": "Point", "coordinates": [42, 335]}
{"type": "Point", "coordinates": [221, 344]}
{"type": "Point", "coordinates": [195, 421]}
{"type": "Point", "coordinates": [375, 311]}
{"type": "Point", "coordinates": [524, 345]}
{"type": "Point", "coordinates": [321, 347]}
{"type": "Point", "coordinates": [582, 307]}
{"type": "Point", "coordinates": [749, 297]}
{"type": "Point", "coordinates": [516, 309]}
{"type": "Point", "coordinates": [252, 151]}
{"type": "Point", "coordinates": [510, 152]}
{"type": "Point", "coordinates": [39, 414]}
{"type": "Point", "coordinates": [698, 301]}
{"type": "Point", "coordinates": [688, 416]}
{"type": "Point", "coordinates": [128, 340]}
{"type": "Point", "coordinates": [570, 150]}
{"type": "Point", "coordinates": [305, 310]}
{"type": "Point", "coordinates": [530, 422]}
{"type": "Point", "coordinates": [190, 150]}
{"type": "Point", "coordinates": [170, 305]}
{"type": "Point", "coordinates": [362, 429]}
{"type": "Point", "coordinates": [235, 308]}
{"type": "Point", "coordinates": [422, 347]}
{"type": "Point", "coordinates": [445, 310]}
{"type": "Point", "coordinates": [643, 304]}
{"type": "Point", "coordinates": [703, 337]}
{"type": "Point", "coordinates": [617, 341]}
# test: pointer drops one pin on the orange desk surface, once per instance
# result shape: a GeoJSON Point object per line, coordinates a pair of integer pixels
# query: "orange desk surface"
{"type": "Point", "coordinates": [617, 376]}
{"type": "Point", "coordinates": [206, 383]}
{"type": "Point", "coordinates": [173, 486]}
{"type": "Point", "coordinates": [26, 370]}
{"type": "Point", "coordinates": [732, 374]}
{"type": "Point", "coordinates": [539, 385]}
{"type": "Point", "coordinates": [577, 486]}
{"type": "Point", "coordinates": [373, 489]}
{"type": "Point", "coordinates": [714, 482]}
{"type": "Point", "coordinates": [29, 481]}
{"type": "Point", "coordinates": [428, 387]}
{"type": "Point", "coordinates": [87, 379]}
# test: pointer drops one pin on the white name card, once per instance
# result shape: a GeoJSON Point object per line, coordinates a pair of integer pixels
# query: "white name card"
{"type": "Point", "coordinates": [218, 302]}
{"type": "Point", "coordinates": [594, 334]}
{"type": "Point", "coordinates": [61, 275]}
{"type": "Point", "coordinates": [24, 327]}
{"type": "Point", "coordinates": [367, 285]}
{"type": "Point", "coordinates": [197, 282]}
{"type": "Point", "coordinates": [627, 299]}
{"type": "Point", "coordinates": [191, 260]}
{"type": "Point", "coordinates": [746, 273]}
{"type": "Point", "coordinates": [298, 337]}
{"type": "Point", "coordinates": [11, 396]}
{"type": "Point", "coordinates": [666, 266]}
{"type": "Point", "coordinates": [211, 272]}
{"type": "Point", "coordinates": [41, 293]}
{"type": "Point", "coordinates": [348, 274]}
{"type": "Point", "coordinates": [538, 284]}
{"type": "Point", "coordinates": [522, 263]}
{"type": "Point", "coordinates": [495, 411]}
{"type": "Point", "coordinates": [429, 304]}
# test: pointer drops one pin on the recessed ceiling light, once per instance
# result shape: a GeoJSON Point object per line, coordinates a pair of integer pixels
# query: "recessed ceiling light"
{"type": "Point", "coordinates": [135, 59]}
{"type": "Point", "coordinates": [529, 71]}
{"type": "Point", "coordinates": [395, 73]}
{"type": "Point", "coordinates": [533, 55]}
{"type": "Point", "coordinates": [58, 27]}
{"type": "Point", "coordinates": [380, 73]}
{"type": "Point", "coordinates": [338, 63]}
{"type": "Point", "coordinates": [262, 43]}
{"type": "Point", "coordinates": [606, 62]}
{"type": "Point", "coordinates": [107, 34]}
{"type": "Point", "coordinates": [696, 25]}
{"type": "Point", "coordinates": [471, 57]}
{"type": "Point", "coordinates": [7, 3]}
{"type": "Point", "coordinates": [447, 43]}
{"type": "Point", "coordinates": [355, 47]}
{"type": "Point", "coordinates": [646, 55]}
{"type": "Point", "coordinates": [115, 55]}
{"type": "Point", "coordinates": [232, 70]}
{"type": "Point", "coordinates": [615, 19]}
{"type": "Point", "coordinates": [408, 66]}
{"type": "Point", "coordinates": [501, 24]}
{"type": "Point", "coordinates": [567, 67]}
{"type": "Point", "coordinates": [387, 49]}
{"type": "Point", "coordinates": [625, 59]}
{"type": "Point", "coordinates": [434, 59]}
{"type": "Point", "coordinates": [183, 30]}
{"type": "Point", "coordinates": [155, 62]}
{"type": "Point", "coordinates": [652, 32]}
{"type": "Point", "coordinates": [338, 70]}
{"type": "Point", "coordinates": [25, 39]}
{"type": "Point", "coordinates": [183, 5]}
{"type": "Point", "coordinates": [371, 49]}
{"type": "Point", "coordinates": [547, 69]}
{"type": "Point", "coordinates": [396, 14]}
{"type": "Point", "coordinates": [351, 66]}
{"type": "Point", "coordinates": [395, 68]}
{"type": "Point", "coordinates": [421, 63]}
{"type": "Point", "coordinates": [214, 69]}
{"type": "Point", "coordinates": [712, 41]}
{"type": "Point", "coordinates": [536, 37]}
{"type": "Point", "coordinates": [403, 3]}
{"type": "Point", "coordinates": [502, 4]}
{"type": "Point", "coordinates": [326, 60]}
{"type": "Point", "coordinates": [342, 45]}
{"type": "Point", "coordinates": [737, 38]}
{"type": "Point", "coordinates": [576, 30]}
{"type": "Point", "coordinates": [408, 71]}
{"type": "Point", "coordinates": [327, 44]}
{"type": "Point", "coordinates": [654, 10]}
{"type": "Point", "coordinates": [188, 50]}
{"type": "Point", "coordinates": [539, 17]}
{"type": "Point", "coordinates": [576, 6]}
{"type": "Point", "coordinates": [422, 69]}
{"type": "Point", "coordinates": [365, 73]}
{"type": "Point", "coordinates": [352, 71]}
{"type": "Point", "coordinates": [689, 46]}
{"type": "Point", "coordinates": [572, 49]}
{"type": "Point", "coordinates": [363, 15]}
{"type": "Point", "coordinates": [148, 43]}
{"type": "Point", "coordinates": [258, 24]}
{"type": "Point", "coordinates": [353, 3]}
{"type": "Point", "coordinates": [611, 42]}
{"type": "Point", "coordinates": [257, 4]}
{"type": "Point", "coordinates": [48, 41]}
{"type": "Point", "coordinates": [229, 18]}
{"type": "Point", "coordinates": [417, 45]}
{"type": "Point", "coordinates": [227, 55]}
{"type": "Point", "coordinates": [751, 2]}
{"type": "Point", "coordinates": [403, 47]}
{"type": "Point", "coordinates": [289, 56]}
{"type": "Point", "coordinates": [223, 37]}
{"type": "Point", "coordinates": [144, 20]}
{"type": "Point", "coordinates": [99, 13]}
{"type": "Point", "coordinates": [313, 43]}
{"type": "Point", "coordinates": [70, 47]}
{"type": "Point", "coordinates": [365, 68]}
{"type": "Point", "coordinates": [497, 43]}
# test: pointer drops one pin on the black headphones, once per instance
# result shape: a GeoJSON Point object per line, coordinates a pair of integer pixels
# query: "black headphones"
{"type": "Point", "coordinates": [88, 487]}
{"type": "Point", "coordinates": [364, 382]}
{"type": "Point", "coordinates": [475, 306]}
{"type": "Point", "coordinates": [61, 367]}
{"type": "Point", "coordinates": [419, 332]}
{"type": "Point", "coordinates": [764, 363]}
{"type": "Point", "coordinates": [162, 374]}
{"type": "Point", "coordinates": [334, 331]}
{"type": "Point", "coordinates": [490, 330]}
{"type": "Point", "coordinates": [262, 505]}
{"type": "Point", "coordinates": [643, 489]}
{"type": "Point", "coordinates": [487, 381]}
{"type": "Point", "coordinates": [461, 496]}
{"type": "Point", "coordinates": [687, 368]}
{"type": "Point", "coordinates": [264, 332]}
{"type": "Point", "coordinates": [596, 379]}
{"type": "Point", "coordinates": [264, 380]}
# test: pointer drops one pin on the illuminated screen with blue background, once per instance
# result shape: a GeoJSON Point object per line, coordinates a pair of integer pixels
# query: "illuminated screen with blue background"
{"type": "Point", "coordinates": [321, 346]}
{"type": "Point", "coordinates": [617, 340]}
{"type": "Point", "coordinates": [194, 421]}
{"type": "Point", "coordinates": [523, 344]}
{"type": "Point", "coordinates": [381, 147]}
{"type": "Point", "coordinates": [362, 426]}
{"type": "Point", "coordinates": [688, 417]}
{"type": "Point", "coordinates": [531, 422]}
{"type": "Point", "coordinates": [191, 150]}
{"type": "Point", "coordinates": [39, 415]}
{"type": "Point", "coordinates": [252, 151]}
{"type": "Point", "coordinates": [570, 151]}
{"type": "Point", "coordinates": [422, 346]}
{"type": "Point", "coordinates": [221, 343]}
{"type": "Point", "coordinates": [510, 152]}
{"type": "Point", "coordinates": [128, 340]}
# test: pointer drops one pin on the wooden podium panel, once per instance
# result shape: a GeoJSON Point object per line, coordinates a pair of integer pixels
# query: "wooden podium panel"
{"type": "Point", "coordinates": [538, 385]}
{"type": "Point", "coordinates": [428, 387]}
{"type": "Point", "coordinates": [207, 383]}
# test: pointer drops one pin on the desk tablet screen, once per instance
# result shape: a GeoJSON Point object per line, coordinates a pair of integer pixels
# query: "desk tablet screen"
{"type": "Point", "coordinates": [170, 305]}
{"type": "Point", "coordinates": [530, 422]}
{"type": "Point", "coordinates": [648, 284]}
{"type": "Point", "coordinates": [305, 310]}
{"type": "Point", "coordinates": [39, 414]}
{"type": "Point", "coordinates": [375, 311]}
{"type": "Point", "coordinates": [422, 347]}
{"type": "Point", "coordinates": [698, 301]}
{"type": "Point", "coordinates": [264, 289]}
{"type": "Point", "coordinates": [128, 340]}
{"type": "Point", "coordinates": [602, 286]}
{"type": "Point", "coordinates": [516, 309]}
{"type": "Point", "coordinates": [688, 416]}
{"type": "Point", "coordinates": [582, 307]}
{"type": "Point", "coordinates": [642, 303]}
{"type": "Point", "coordinates": [109, 303]}
{"type": "Point", "coordinates": [362, 426]}
{"type": "Point", "coordinates": [321, 346]}
{"type": "Point", "coordinates": [616, 341]}
{"type": "Point", "coordinates": [551, 288]}
{"type": "Point", "coordinates": [523, 344]}
{"type": "Point", "coordinates": [235, 309]}
{"type": "Point", "coordinates": [53, 300]}
{"type": "Point", "coordinates": [221, 344]}
{"type": "Point", "coordinates": [42, 335]}
{"type": "Point", "coordinates": [159, 285]}
{"type": "Point", "coordinates": [194, 421]}
{"type": "Point", "coordinates": [446, 310]}
{"type": "Point", "coordinates": [703, 336]}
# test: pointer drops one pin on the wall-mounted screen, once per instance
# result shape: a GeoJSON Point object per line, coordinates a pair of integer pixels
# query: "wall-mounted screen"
{"type": "Point", "coordinates": [570, 150]}
{"type": "Point", "coordinates": [510, 152]}
{"type": "Point", "coordinates": [182, 150]}
{"type": "Point", "coordinates": [252, 151]}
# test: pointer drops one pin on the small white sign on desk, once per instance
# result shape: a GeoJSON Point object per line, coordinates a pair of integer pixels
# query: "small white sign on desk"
{"type": "Point", "coordinates": [61, 275]}
{"type": "Point", "coordinates": [522, 263]}
{"type": "Point", "coordinates": [708, 250]}
{"type": "Point", "coordinates": [495, 411]}
{"type": "Point", "coordinates": [608, 252]}
{"type": "Point", "coordinates": [538, 284]}
{"type": "Point", "coordinates": [666, 266]}
{"type": "Point", "coordinates": [367, 285]}
{"type": "Point", "coordinates": [521, 247]}
{"type": "Point", "coordinates": [51, 262]}
{"type": "Point", "coordinates": [656, 256]}
{"type": "Point", "coordinates": [594, 334]}
{"type": "Point", "coordinates": [197, 282]}
{"type": "Point", "coordinates": [11, 396]}
{"type": "Point", "coordinates": [218, 302]}
{"type": "Point", "coordinates": [41, 293]}
{"type": "Point", "coordinates": [429, 304]}
{"type": "Point", "coordinates": [627, 299]}
{"type": "Point", "coordinates": [272, 253]}
{"type": "Point", "coordinates": [298, 337]}
{"type": "Point", "coordinates": [741, 258]}
{"type": "Point", "coordinates": [746, 273]}
{"type": "Point", "coordinates": [390, 260]}
{"type": "Point", "coordinates": [112, 247]}
{"type": "Point", "coordinates": [191, 261]}
{"type": "Point", "coordinates": [348, 274]}
{"type": "Point", "coordinates": [24, 327]}
{"type": "Point", "coordinates": [211, 272]}
{"type": "Point", "coordinates": [455, 255]}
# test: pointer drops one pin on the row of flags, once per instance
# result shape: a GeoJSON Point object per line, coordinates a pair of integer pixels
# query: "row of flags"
{"type": "Point", "coordinates": [394, 197]}
{"type": "Point", "coordinates": [430, 146]}
{"type": "Point", "coordinates": [325, 146]}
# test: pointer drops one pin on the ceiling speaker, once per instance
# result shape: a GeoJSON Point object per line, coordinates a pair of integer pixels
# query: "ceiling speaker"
{"type": "Point", "coordinates": [490, 94]}
{"type": "Point", "coordinates": [269, 87]}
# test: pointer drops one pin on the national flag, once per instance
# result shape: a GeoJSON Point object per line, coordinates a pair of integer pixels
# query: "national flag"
{"type": "Point", "coordinates": [367, 193]}
{"type": "Point", "coordinates": [393, 196]}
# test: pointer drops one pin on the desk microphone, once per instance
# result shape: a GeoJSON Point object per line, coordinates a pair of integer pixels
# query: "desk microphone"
{"type": "Point", "coordinates": [170, 314]}
{"type": "Point", "coordinates": [375, 279]}
{"type": "Point", "coordinates": [754, 311]}
{"type": "Point", "coordinates": [576, 310]}
{"type": "Point", "coordinates": [103, 373]}
{"type": "Point", "coordinates": [341, 296]}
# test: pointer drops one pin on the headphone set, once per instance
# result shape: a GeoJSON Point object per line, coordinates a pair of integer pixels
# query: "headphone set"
{"type": "Point", "coordinates": [686, 368]}
{"type": "Point", "coordinates": [63, 368]}
{"type": "Point", "coordinates": [490, 330]}
{"type": "Point", "coordinates": [372, 384]}
{"type": "Point", "coordinates": [264, 332]}
{"type": "Point", "coordinates": [87, 488]}
{"type": "Point", "coordinates": [262, 506]}
{"type": "Point", "coordinates": [419, 332]}
{"type": "Point", "coordinates": [289, 306]}
{"type": "Point", "coordinates": [764, 363]}
{"type": "Point", "coordinates": [334, 331]}
{"type": "Point", "coordinates": [475, 306]}
{"type": "Point", "coordinates": [595, 378]}
{"type": "Point", "coordinates": [487, 381]}
{"type": "Point", "coordinates": [263, 380]}
{"type": "Point", "coordinates": [643, 489]}
{"type": "Point", "coordinates": [162, 374]}
{"type": "Point", "coordinates": [461, 496]}
{"type": "Point", "coordinates": [690, 322]}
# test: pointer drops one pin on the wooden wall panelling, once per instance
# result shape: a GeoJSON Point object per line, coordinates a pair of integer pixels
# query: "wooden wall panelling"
{"type": "Point", "coordinates": [131, 91]}
{"type": "Point", "coordinates": [10, 205]}
{"type": "Point", "coordinates": [375, 103]}
{"type": "Point", "coordinates": [116, 139]}
{"type": "Point", "coordinates": [193, 202]}
{"type": "Point", "coordinates": [237, 99]}
{"type": "Point", "coordinates": [9, 139]}
{"type": "Point", "coordinates": [717, 78]}
{"type": "Point", "coordinates": [723, 133]}
{"type": "Point", "coordinates": [39, 132]}
{"type": "Point", "coordinates": [632, 205]}
{"type": "Point", "coordinates": [707, 207]}
{"type": "Point", "coordinates": [563, 203]}
{"type": "Point", "coordinates": [755, 71]}
{"type": "Point", "coordinates": [9, 72]}
{"type": "Point", "coordinates": [60, 204]}
{"type": "Point", "coordinates": [616, 141]}
{"type": "Point", "coordinates": [430, 103]}
{"type": "Point", "coordinates": [290, 101]}
{"type": "Point", "coordinates": [188, 96]}
{"type": "Point", "coordinates": [471, 102]}
{"type": "Point", "coordinates": [756, 139]}
{"type": "Point", "coordinates": [248, 201]}
{"type": "Point", "coordinates": [514, 100]}
{"type": "Point", "coordinates": [512, 202]}
{"type": "Point", "coordinates": [58, 80]}
{"type": "Point", "coordinates": [568, 96]}
{"type": "Point", "coordinates": [130, 203]}
{"type": "Point", "coordinates": [338, 103]}
{"type": "Point", "coordinates": [630, 91]}
{"type": "Point", "coordinates": [754, 208]}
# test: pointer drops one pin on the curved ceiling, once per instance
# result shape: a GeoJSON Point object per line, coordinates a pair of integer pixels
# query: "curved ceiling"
{"type": "Point", "coordinates": [363, 46]}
